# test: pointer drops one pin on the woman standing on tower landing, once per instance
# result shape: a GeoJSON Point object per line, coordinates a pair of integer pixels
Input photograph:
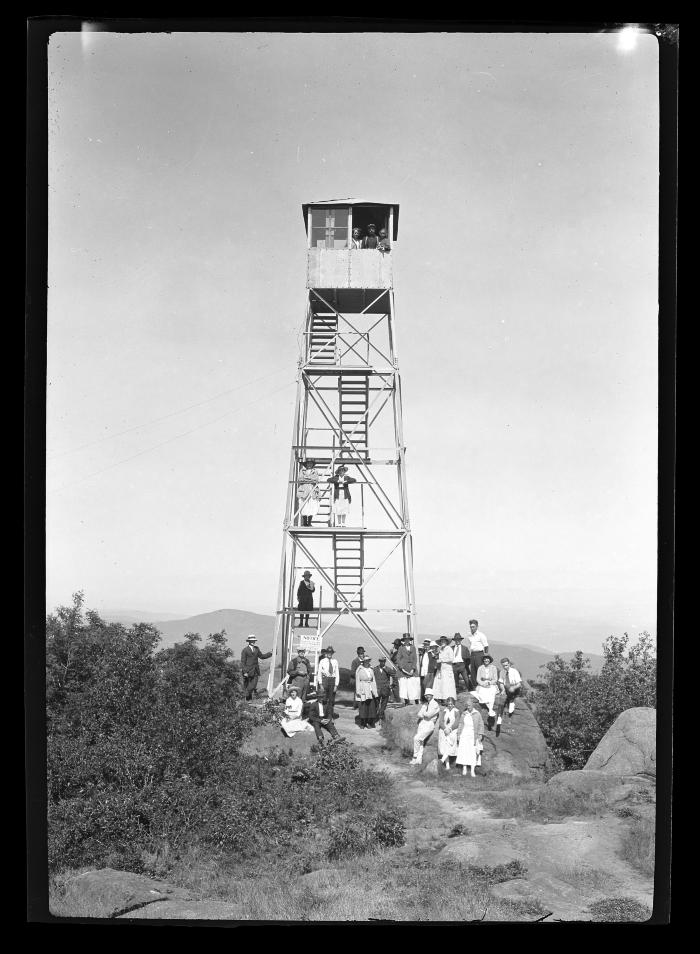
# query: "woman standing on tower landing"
{"type": "Point", "coordinates": [341, 494]}
{"type": "Point", "coordinates": [307, 492]}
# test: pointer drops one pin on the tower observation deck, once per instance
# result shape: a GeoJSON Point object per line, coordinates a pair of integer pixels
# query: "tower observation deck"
{"type": "Point", "coordinates": [348, 413]}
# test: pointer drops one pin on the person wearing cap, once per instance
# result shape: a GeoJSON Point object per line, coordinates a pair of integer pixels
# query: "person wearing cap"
{"type": "Point", "coordinates": [462, 661]}
{"type": "Point", "coordinates": [250, 665]}
{"type": "Point", "coordinates": [366, 693]}
{"type": "Point", "coordinates": [510, 684]}
{"type": "Point", "coordinates": [305, 597]}
{"type": "Point", "coordinates": [409, 676]}
{"type": "Point", "coordinates": [356, 240]}
{"type": "Point", "coordinates": [448, 736]}
{"type": "Point", "coordinates": [321, 717]}
{"type": "Point", "coordinates": [299, 673]}
{"type": "Point", "coordinates": [444, 682]}
{"type": "Point", "coordinates": [371, 240]}
{"type": "Point", "coordinates": [308, 493]}
{"type": "Point", "coordinates": [291, 721]}
{"type": "Point", "coordinates": [353, 669]}
{"type": "Point", "coordinates": [342, 497]}
{"type": "Point", "coordinates": [471, 735]}
{"type": "Point", "coordinates": [329, 674]}
{"type": "Point", "coordinates": [395, 674]}
{"type": "Point", "coordinates": [427, 665]}
{"type": "Point", "coordinates": [428, 714]}
{"type": "Point", "coordinates": [478, 645]}
{"type": "Point", "coordinates": [382, 679]}
{"type": "Point", "coordinates": [487, 687]}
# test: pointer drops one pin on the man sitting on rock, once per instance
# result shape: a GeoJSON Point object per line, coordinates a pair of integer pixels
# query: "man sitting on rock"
{"type": "Point", "coordinates": [320, 714]}
{"type": "Point", "coordinates": [510, 684]}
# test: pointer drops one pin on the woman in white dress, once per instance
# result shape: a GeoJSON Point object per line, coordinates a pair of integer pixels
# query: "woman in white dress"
{"type": "Point", "coordinates": [444, 681]}
{"type": "Point", "coordinates": [366, 693]}
{"type": "Point", "coordinates": [448, 735]}
{"type": "Point", "coordinates": [428, 715]}
{"type": "Point", "coordinates": [471, 733]}
{"type": "Point", "coordinates": [292, 721]}
{"type": "Point", "coordinates": [487, 685]}
{"type": "Point", "coordinates": [308, 493]}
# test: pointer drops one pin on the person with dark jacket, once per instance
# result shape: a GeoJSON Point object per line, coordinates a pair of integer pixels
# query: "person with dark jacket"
{"type": "Point", "coordinates": [427, 666]}
{"type": "Point", "coordinates": [395, 676]}
{"type": "Point", "coordinates": [250, 665]}
{"type": "Point", "coordinates": [383, 681]}
{"type": "Point", "coordinates": [462, 663]}
{"type": "Point", "coordinates": [407, 665]}
{"type": "Point", "coordinates": [320, 717]}
{"type": "Point", "coordinates": [341, 494]}
{"type": "Point", "coordinates": [298, 672]}
{"type": "Point", "coordinates": [305, 598]}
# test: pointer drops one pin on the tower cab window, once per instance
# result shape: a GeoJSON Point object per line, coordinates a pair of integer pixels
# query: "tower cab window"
{"type": "Point", "coordinates": [329, 228]}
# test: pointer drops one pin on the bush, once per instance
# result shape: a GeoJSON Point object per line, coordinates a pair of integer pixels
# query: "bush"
{"type": "Point", "coordinates": [619, 909]}
{"type": "Point", "coordinates": [383, 830]}
{"type": "Point", "coordinates": [575, 707]}
{"type": "Point", "coordinates": [144, 759]}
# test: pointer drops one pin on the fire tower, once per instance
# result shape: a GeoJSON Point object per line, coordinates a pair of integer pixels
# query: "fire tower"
{"type": "Point", "coordinates": [348, 411]}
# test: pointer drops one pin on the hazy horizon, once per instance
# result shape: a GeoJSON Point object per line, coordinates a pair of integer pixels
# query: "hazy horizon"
{"type": "Point", "coordinates": [526, 168]}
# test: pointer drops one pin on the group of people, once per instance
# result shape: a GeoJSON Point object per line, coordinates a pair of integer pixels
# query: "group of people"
{"type": "Point", "coordinates": [371, 239]}
{"type": "Point", "coordinates": [429, 677]}
{"type": "Point", "coordinates": [309, 493]}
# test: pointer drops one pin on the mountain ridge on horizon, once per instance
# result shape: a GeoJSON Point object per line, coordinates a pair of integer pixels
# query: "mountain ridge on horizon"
{"type": "Point", "coordinates": [240, 623]}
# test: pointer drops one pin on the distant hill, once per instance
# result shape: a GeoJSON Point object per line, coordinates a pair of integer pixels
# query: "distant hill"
{"type": "Point", "coordinates": [239, 624]}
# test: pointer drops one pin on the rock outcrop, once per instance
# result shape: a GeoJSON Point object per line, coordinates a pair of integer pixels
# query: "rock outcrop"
{"type": "Point", "coordinates": [520, 750]}
{"type": "Point", "coordinates": [629, 745]}
{"type": "Point", "coordinates": [603, 785]}
{"type": "Point", "coordinates": [112, 894]}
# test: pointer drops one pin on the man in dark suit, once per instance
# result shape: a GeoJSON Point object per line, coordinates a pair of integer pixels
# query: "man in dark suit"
{"type": "Point", "coordinates": [298, 672]}
{"type": "Point", "coordinates": [320, 714]}
{"type": "Point", "coordinates": [383, 680]}
{"type": "Point", "coordinates": [250, 665]}
{"type": "Point", "coordinates": [462, 661]}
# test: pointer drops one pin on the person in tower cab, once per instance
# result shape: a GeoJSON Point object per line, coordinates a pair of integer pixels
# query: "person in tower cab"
{"type": "Point", "coordinates": [383, 245]}
{"type": "Point", "coordinates": [371, 240]}
{"type": "Point", "coordinates": [356, 241]}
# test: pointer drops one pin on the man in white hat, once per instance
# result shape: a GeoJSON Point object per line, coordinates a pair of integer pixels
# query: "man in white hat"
{"type": "Point", "coordinates": [250, 665]}
{"type": "Point", "coordinates": [428, 715]}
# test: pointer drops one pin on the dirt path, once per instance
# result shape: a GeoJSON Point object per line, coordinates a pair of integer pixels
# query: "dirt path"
{"type": "Point", "coordinates": [569, 863]}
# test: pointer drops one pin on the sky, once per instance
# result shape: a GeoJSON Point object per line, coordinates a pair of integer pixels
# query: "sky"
{"type": "Point", "coordinates": [526, 169]}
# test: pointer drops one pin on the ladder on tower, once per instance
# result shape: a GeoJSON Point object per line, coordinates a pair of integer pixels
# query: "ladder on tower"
{"type": "Point", "coordinates": [348, 562]}
{"type": "Point", "coordinates": [322, 343]}
{"type": "Point", "coordinates": [354, 402]}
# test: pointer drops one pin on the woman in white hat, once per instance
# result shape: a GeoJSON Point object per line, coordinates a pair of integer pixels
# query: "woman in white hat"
{"type": "Point", "coordinates": [366, 693]}
{"type": "Point", "coordinates": [448, 735]}
{"type": "Point", "coordinates": [291, 720]}
{"type": "Point", "coordinates": [428, 715]}
{"type": "Point", "coordinates": [308, 493]}
{"type": "Point", "coordinates": [444, 681]}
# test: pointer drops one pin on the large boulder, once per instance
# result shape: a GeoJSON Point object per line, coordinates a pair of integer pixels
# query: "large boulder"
{"type": "Point", "coordinates": [108, 893]}
{"type": "Point", "coordinates": [484, 849]}
{"type": "Point", "coordinates": [608, 788]}
{"type": "Point", "coordinates": [520, 750]}
{"type": "Point", "coordinates": [629, 745]}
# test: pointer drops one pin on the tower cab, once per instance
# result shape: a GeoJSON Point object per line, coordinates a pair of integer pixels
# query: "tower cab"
{"type": "Point", "coordinates": [350, 243]}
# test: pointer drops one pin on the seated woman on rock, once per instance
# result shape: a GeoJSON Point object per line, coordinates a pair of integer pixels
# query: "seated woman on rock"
{"type": "Point", "coordinates": [292, 722]}
{"type": "Point", "coordinates": [487, 686]}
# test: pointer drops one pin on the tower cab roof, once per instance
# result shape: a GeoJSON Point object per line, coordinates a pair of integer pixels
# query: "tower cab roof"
{"type": "Point", "coordinates": [340, 203]}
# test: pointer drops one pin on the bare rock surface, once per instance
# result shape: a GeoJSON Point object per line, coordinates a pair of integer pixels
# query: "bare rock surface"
{"type": "Point", "coordinates": [520, 749]}
{"type": "Point", "coordinates": [602, 785]}
{"type": "Point", "coordinates": [116, 892]}
{"type": "Point", "coordinates": [629, 745]}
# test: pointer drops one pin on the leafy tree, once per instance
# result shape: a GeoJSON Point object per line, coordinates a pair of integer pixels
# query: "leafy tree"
{"type": "Point", "coordinates": [576, 707]}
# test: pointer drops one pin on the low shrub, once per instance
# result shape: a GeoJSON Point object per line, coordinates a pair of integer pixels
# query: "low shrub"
{"type": "Point", "coordinates": [352, 838]}
{"type": "Point", "coordinates": [497, 874]}
{"type": "Point", "coordinates": [544, 804]}
{"type": "Point", "coordinates": [619, 909]}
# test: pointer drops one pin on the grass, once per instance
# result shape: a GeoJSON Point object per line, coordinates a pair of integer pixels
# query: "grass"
{"type": "Point", "coordinates": [584, 877]}
{"type": "Point", "coordinates": [638, 844]}
{"type": "Point", "coordinates": [384, 886]}
{"type": "Point", "coordinates": [619, 909]}
{"type": "Point", "coordinates": [543, 804]}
